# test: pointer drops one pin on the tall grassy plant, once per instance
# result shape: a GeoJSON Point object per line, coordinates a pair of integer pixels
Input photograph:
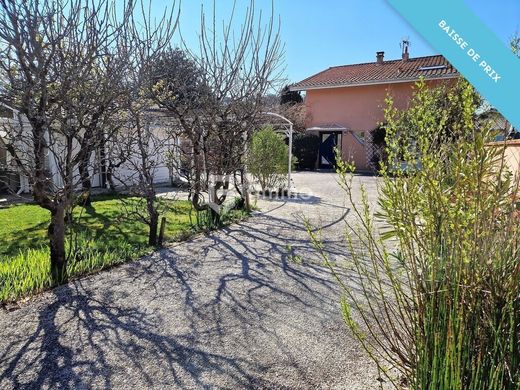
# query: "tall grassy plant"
{"type": "Point", "coordinates": [28, 272]}
{"type": "Point", "coordinates": [436, 261]}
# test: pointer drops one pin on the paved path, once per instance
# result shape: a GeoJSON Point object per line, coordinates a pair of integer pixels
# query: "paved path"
{"type": "Point", "coordinates": [230, 310]}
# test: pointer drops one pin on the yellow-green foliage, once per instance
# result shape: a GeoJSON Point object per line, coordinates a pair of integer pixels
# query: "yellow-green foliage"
{"type": "Point", "coordinates": [267, 159]}
{"type": "Point", "coordinates": [437, 261]}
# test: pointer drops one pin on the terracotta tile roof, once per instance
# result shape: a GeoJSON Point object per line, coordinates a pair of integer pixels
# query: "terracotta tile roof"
{"type": "Point", "coordinates": [430, 67]}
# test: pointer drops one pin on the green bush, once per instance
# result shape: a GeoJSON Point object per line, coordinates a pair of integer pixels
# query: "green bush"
{"type": "Point", "coordinates": [305, 147]}
{"type": "Point", "coordinates": [436, 302]}
{"type": "Point", "coordinates": [267, 159]}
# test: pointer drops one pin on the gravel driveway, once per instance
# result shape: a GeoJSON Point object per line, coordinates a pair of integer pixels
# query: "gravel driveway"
{"type": "Point", "coordinates": [230, 310]}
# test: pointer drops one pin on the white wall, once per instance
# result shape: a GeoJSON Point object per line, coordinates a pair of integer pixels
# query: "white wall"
{"type": "Point", "coordinates": [125, 172]}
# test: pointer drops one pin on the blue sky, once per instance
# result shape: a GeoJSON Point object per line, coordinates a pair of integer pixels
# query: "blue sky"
{"type": "Point", "coordinates": [322, 33]}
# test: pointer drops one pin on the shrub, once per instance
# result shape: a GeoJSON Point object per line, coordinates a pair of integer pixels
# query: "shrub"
{"type": "Point", "coordinates": [379, 136]}
{"type": "Point", "coordinates": [437, 262]}
{"type": "Point", "coordinates": [268, 158]}
{"type": "Point", "coordinates": [306, 146]}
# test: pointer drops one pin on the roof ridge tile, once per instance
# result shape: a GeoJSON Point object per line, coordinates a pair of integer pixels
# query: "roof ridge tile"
{"type": "Point", "coordinates": [374, 73]}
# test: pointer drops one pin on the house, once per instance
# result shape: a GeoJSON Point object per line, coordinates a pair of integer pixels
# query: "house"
{"type": "Point", "coordinates": [12, 180]}
{"type": "Point", "coordinates": [490, 116]}
{"type": "Point", "coordinates": [345, 104]}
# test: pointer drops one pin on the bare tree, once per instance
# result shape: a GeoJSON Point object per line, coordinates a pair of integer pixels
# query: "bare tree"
{"type": "Point", "coordinates": [98, 117]}
{"type": "Point", "coordinates": [64, 67]}
{"type": "Point", "coordinates": [297, 113]}
{"type": "Point", "coordinates": [140, 147]}
{"type": "Point", "coordinates": [229, 77]}
{"type": "Point", "coordinates": [177, 85]}
{"type": "Point", "coordinates": [142, 143]}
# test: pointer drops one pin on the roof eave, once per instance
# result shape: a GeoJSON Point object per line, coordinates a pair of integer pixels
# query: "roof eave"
{"type": "Point", "coordinates": [327, 127]}
{"type": "Point", "coordinates": [375, 82]}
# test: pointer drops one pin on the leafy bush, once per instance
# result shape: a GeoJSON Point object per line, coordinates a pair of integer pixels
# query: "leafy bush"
{"type": "Point", "coordinates": [268, 158]}
{"type": "Point", "coordinates": [437, 262]}
{"type": "Point", "coordinates": [306, 146]}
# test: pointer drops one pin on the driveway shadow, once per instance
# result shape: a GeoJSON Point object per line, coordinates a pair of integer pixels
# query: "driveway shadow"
{"type": "Point", "coordinates": [86, 342]}
{"type": "Point", "coordinates": [250, 306]}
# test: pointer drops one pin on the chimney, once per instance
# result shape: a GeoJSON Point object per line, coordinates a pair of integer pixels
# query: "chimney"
{"type": "Point", "coordinates": [380, 56]}
{"type": "Point", "coordinates": [405, 44]}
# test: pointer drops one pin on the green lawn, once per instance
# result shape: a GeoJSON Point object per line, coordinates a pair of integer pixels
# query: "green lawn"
{"type": "Point", "coordinates": [103, 235]}
{"type": "Point", "coordinates": [24, 227]}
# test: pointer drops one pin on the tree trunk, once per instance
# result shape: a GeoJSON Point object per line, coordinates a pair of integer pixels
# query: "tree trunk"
{"type": "Point", "coordinates": [110, 177]}
{"type": "Point", "coordinates": [154, 220]}
{"type": "Point", "coordinates": [56, 233]}
{"type": "Point", "coordinates": [242, 189]}
{"type": "Point", "coordinates": [215, 218]}
{"type": "Point", "coordinates": [86, 184]}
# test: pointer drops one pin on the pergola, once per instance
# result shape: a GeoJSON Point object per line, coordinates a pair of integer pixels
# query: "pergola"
{"type": "Point", "coordinates": [288, 131]}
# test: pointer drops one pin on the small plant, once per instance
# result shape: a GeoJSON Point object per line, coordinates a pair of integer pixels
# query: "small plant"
{"type": "Point", "coordinates": [267, 159]}
{"type": "Point", "coordinates": [292, 257]}
{"type": "Point", "coordinates": [435, 300]}
{"type": "Point", "coordinates": [228, 213]}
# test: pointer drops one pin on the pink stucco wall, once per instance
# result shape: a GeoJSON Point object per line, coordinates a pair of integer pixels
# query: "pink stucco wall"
{"type": "Point", "coordinates": [359, 109]}
{"type": "Point", "coordinates": [511, 153]}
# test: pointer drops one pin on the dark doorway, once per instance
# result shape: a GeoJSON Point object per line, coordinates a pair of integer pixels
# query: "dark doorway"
{"type": "Point", "coordinates": [329, 141]}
